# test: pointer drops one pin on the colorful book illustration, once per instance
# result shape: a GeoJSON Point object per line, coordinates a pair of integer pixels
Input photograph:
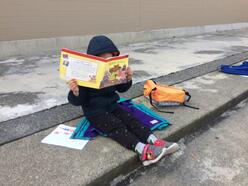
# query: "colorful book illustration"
{"type": "Point", "coordinates": [92, 71]}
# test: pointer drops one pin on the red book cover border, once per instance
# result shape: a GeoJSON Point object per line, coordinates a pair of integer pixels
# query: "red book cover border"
{"type": "Point", "coordinates": [93, 57]}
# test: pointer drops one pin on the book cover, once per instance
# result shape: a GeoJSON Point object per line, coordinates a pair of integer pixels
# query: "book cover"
{"type": "Point", "coordinates": [92, 71]}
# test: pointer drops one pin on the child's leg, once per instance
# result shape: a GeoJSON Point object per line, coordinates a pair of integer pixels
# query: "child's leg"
{"type": "Point", "coordinates": [118, 131]}
{"type": "Point", "coordinates": [133, 124]}
{"type": "Point", "coordinates": [142, 132]}
{"type": "Point", "coordinates": [115, 129]}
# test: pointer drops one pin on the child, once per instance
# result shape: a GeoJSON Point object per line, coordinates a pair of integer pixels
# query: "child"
{"type": "Point", "coordinates": [101, 109]}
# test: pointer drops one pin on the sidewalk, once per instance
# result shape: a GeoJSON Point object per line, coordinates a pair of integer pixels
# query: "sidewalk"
{"type": "Point", "coordinates": [36, 98]}
{"type": "Point", "coordinates": [28, 162]}
{"type": "Point", "coordinates": [35, 83]}
{"type": "Point", "coordinates": [35, 101]}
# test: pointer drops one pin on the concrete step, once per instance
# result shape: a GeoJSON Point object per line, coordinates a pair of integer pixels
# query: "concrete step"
{"type": "Point", "coordinates": [33, 123]}
{"type": "Point", "coordinates": [29, 162]}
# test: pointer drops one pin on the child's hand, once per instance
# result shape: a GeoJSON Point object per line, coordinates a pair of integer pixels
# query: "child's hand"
{"type": "Point", "coordinates": [73, 86]}
{"type": "Point", "coordinates": [129, 74]}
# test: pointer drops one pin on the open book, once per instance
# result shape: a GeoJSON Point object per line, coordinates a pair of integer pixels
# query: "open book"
{"type": "Point", "coordinates": [92, 71]}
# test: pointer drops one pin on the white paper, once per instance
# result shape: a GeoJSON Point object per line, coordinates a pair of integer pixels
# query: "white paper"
{"type": "Point", "coordinates": [81, 69]}
{"type": "Point", "coordinates": [61, 137]}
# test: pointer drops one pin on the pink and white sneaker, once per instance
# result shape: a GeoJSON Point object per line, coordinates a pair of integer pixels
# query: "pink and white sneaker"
{"type": "Point", "coordinates": [170, 147]}
{"type": "Point", "coordinates": [151, 154]}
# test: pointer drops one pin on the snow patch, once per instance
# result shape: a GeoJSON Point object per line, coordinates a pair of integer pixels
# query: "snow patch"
{"type": "Point", "coordinates": [7, 112]}
{"type": "Point", "coordinates": [13, 112]}
{"type": "Point", "coordinates": [12, 60]}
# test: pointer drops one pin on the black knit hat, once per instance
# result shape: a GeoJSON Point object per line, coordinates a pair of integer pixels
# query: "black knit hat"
{"type": "Point", "coordinates": [101, 44]}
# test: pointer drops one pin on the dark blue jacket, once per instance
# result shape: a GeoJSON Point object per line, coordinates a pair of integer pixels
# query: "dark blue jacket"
{"type": "Point", "coordinates": [97, 101]}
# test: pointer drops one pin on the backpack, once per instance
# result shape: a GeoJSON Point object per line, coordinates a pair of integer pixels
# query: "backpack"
{"type": "Point", "coordinates": [164, 95]}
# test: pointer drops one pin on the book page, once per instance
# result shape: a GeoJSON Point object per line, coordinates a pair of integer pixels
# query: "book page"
{"type": "Point", "coordinates": [92, 71]}
{"type": "Point", "coordinates": [81, 69]}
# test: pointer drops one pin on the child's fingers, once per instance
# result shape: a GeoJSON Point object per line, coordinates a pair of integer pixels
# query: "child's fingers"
{"type": "Point", "coordinates": [129, 71]}
{"type": "Point", "coordinates": [70, 85]}
{"type": "Point", "coordinates": [73, 86]}
{"type": "Point", "coordinates": [71, 81]}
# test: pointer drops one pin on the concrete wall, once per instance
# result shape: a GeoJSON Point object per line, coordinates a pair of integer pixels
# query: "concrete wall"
{"type": "Point", "coordinates": [29, 19]}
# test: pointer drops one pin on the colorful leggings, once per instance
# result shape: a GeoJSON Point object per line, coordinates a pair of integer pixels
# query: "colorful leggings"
{"type": "Point", "coordinates": [122, 127]}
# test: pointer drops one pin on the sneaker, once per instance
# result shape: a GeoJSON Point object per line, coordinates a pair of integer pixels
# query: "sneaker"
{"type": "Point", "coordinates": [151, 154]}
{"type": "Point", "coordinates": [170, 147]}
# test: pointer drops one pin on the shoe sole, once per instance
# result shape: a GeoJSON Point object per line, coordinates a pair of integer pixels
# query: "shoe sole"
{"type": "Point", "coordinates": [146, 163]}
{"type": "Point", "coordinates": [171, 149]}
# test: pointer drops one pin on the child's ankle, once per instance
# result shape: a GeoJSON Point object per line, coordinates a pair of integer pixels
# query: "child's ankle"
{"type": "Point", "coordinates": [139, 147]}
{"type": "Point", "coordinates": [151, 139]}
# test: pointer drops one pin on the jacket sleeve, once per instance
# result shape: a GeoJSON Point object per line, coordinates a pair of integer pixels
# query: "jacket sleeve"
{"type": "Point", "coordinates": [80, 100]}
{"type": "Point", "coordinates": [124, 87]}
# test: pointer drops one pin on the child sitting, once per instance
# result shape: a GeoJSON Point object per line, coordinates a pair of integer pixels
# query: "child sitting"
{"type": "Point", "coordinates": [101, 109]}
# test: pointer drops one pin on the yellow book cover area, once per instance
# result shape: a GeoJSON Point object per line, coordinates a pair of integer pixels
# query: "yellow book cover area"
{"type": "Point", "coordinates": [92, 71]}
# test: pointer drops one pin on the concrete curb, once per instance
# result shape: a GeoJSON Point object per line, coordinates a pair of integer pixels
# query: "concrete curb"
{"type": "Point", "coordinates": [103, 159]}
{"type": "Point", "coordinates": [190, 128]}
{"type": "Point", "coordinates": [33, 123]}
{"type": "Point", "coordinates": [53, 45]}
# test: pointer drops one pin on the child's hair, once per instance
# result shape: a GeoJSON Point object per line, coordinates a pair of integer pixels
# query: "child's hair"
{"type": "Point", "coordinates": [101, 44]}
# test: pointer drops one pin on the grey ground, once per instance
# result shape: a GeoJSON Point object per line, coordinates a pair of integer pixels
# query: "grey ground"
{"type": "Point", "coordinates": [36, 99]}
{"type": "Point", "coordinates": [35, 83]}
{"type": "Point", "coordinates": [29, 162]}
{"type": "Point", "coordinates": [217, 155]}
{"type": "Point", "coordinates": [190, 63]}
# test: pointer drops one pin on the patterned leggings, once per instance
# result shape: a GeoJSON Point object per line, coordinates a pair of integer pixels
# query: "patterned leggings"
{"type": "Point", "coordinates": [122, 127]}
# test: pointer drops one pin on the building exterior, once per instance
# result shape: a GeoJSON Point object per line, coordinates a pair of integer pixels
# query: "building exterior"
{"type": "Point", "coordinates": [32, 19]}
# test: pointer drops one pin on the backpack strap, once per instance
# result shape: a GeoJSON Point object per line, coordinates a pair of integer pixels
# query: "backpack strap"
{"type": "Point", "coordinates": [190, 106]}
{"type": "Point", "coordinates": [150, 98]}
{"type": "Point", "coordinates": [187, 94]}
{"type": "Point", "coordinates": [154, 81]}
{"type": "Point", "coordinates": [189, 97]}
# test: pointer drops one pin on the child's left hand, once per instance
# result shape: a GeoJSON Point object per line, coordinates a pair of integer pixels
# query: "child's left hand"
{"type": "Point", "coordinates": [129, 74]}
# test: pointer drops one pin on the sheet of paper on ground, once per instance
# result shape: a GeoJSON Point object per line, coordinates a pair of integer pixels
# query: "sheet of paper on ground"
{"type": "Point", "coordinates": [61, 137]}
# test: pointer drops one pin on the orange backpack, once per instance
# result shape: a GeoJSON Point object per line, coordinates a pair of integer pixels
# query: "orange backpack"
{"type": "Point", "coordinates": [164, 95]}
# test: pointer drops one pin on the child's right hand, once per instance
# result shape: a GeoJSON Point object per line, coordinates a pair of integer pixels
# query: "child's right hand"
{"type": "Point", "coordinates": [73, 86]}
